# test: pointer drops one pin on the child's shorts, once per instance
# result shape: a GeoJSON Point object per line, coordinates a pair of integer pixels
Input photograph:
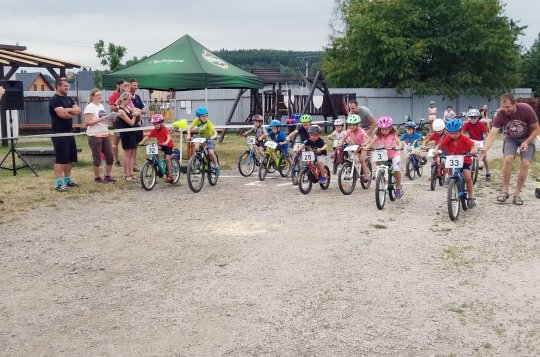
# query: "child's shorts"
{"type": "Point", "coordinates": [167, 149]}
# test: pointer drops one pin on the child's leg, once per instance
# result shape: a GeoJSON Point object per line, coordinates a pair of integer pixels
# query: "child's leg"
{"type": "Point", "coordinates": [169, 165]}
{"type": "Point", "coordinates": [468, 182]}
{"type": "Point", "coordinates": [486, 164]}
{"type": "Point", "coordinates": [213, 156]}
{"type": "Point", "coordinates": [320, 164]}
{"type": "Point", "coordinates": [362, 156]}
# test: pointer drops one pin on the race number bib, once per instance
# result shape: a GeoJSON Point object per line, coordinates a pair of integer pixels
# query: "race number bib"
{"type": "Point", "coordinates": [297, 146]}
{"type": "Point", "coordinates": [251, 140]}
{"type": "Point", "coordinates": [409, 149]}
{"type": "Point", "coordinates": [380, 155]}
{"type": "Point", "coordinates": [336, 142]}
{"type": "Point", "coordinates": [198, 140]}
{"type": "Point", "coordinates": [352, 148]}
{"type": "Point", "coordinates": [308, 156]}
{"type": "Point", "coordinates": [271, 144]}
{"type": "Point", "coordinates": [430, 153]}
{"type": "Point", "coordinates": [454, 162]}
{"type": "Point", "coordinates": [479, 144]}
{"type": "Point", "coordinates": [152, 149]}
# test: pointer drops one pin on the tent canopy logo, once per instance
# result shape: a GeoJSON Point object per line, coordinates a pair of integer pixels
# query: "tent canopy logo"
{"type": "Point", "coordinates": [167, 61]}
{"type": "Point", "coordinates": [213, 59]}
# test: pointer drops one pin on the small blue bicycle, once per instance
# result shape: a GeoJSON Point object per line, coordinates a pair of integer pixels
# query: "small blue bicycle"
{"type": "Point", "coordinates": [155, 167]}
{"type": "Point", "coordinates": [457, 190]}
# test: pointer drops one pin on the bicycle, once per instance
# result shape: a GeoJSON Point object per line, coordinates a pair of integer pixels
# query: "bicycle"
{"type": "Point", "coordinates": [457, 191]}
{"type": "Point", "coordinates": [339, 157]}
{"type": "Point", "coordinates": [437, 169]}
{"type": "Point", "coordinates": [249, 159]}
{"type": "Point", "coordinates": [154, 167]}
{"type": "Point", "coordinates": [421, 127]}
{"type": "Point", "coordinates": [475, 166]}
{"type": "Point", "coordinates": [385, 180]}
{"type": "Point", "coordinates": [297, 164]}
{"type": "Point", "coordinates": [311, 174]}
{"type": "Point", "coordinates": [200, 165]}
{"type": "Point", "coordinates": [348, 175]}
{"type": "Point", "coordinates": [413, 166]}
{"type": "Point", "coordinates": [273, 160]}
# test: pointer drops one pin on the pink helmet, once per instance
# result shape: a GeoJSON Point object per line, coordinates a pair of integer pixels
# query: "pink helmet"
{"type": "Point", "coordinates": [157, 118]}
{"type": "Point", "coordinates": [385, 122]}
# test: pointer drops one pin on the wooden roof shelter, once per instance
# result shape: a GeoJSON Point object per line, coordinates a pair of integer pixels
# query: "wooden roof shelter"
{"type": "Point", "coordinates": [16, 57]}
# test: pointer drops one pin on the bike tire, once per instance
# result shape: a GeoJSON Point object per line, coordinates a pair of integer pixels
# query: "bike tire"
{"type": "Point", "coordinates": [366, 184]}
{"type": "Point", "coordinates": [304, 181]}
{"type": "Point", "coordinates": [347, 177]}
{"type": "Point", "coordinates": [401, 129]}
{"type": "Point", "coordinates": [246, 163]}
{"type": "Point", "coordinates": [212, 175]}
{"type": "Point", "coordinates": [148, 176]}
{"type": "Point", "coordinates": [475, 167]}
{"type": "Point", "coordinates": [419, 168]}
{"type": "Point", "coordinates": [433, 180]}
{"type": "Point", "coordinates": [284, 167]}
{"type": "Point", "coordinates": [380, 190]}
{"type": "Point", "coordinates": [175, 168]}
{"type": "Point", "coordinates": [295, 171]}
{"type": "Point", "coordinates": [326, 184]}
{"type": "Point", "coordinates": [410, 172]}
{"type": "Point", "coordinates": [262, 169]}
{"type": "Point", "coordinates": [392, 187]}
{"type": "Point", "coordinates": [195, 174]}
{"type": "Point", "coordinates": [453, 200]}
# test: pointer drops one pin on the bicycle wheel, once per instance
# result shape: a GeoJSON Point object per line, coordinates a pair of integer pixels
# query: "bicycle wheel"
{"type": "Point", "coordinates": [410, 172]}
{"type": "Point", "coordinates": [195, 174]}
{"type": "Point", "coordinates": [419, 167]}
{"type": "Point", "coordinates": [474, 170]}
{"type": "Point", "coordinates": [304, 181]}
{"type": "Point", "coordinates": [392, 187]}
{"type": "Point", "coordinates": [347, 177]}
{"type": "Point", "coordinates": [246, 163]}
{"type": "Point", "coordinates": [453, 199]}
{"type": "Point", "coordinates": [433, 180]}
{"type": "Point", "coordinates": [325, 185]}
{"type": "Point", "coordinates": [148, 176]}
{"type": "Point", "coordinates": [441, 175]}
{"type": "Point", "coordinates": [366, 184]}
{"type": "Point", "coordinates": [262, 168]}
{"type": "Point", "coordinates": [295, 171]}
{"type": "Point", "coordinates": [212, 174]}
{"type": "Point", "coordinates": [401, 129]}
{"type": "Point", "coordinates": [380, 190]}
{"type": "Point", "coordinates": [284, 167]}
{"type": "Point", "coordinates": [175, 168]}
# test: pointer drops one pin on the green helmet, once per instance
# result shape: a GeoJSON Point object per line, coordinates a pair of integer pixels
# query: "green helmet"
{"type": "Point", "coordinates": [306, 118]}
{"type": "Point", "coordinates": [353, 119]}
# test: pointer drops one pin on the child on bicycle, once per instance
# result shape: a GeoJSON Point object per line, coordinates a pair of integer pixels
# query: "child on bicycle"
{"type": "Point", "coordinates": [477, 130]}
{"type": "Point", "coordinates": [164, 139]}
{"type": "Point", "coordinates": [205, 129]}
{"type": "Point", "coordinates": [412, 136]}
{"type": "Point", "coordinates": [280, 138]}
{"type": "Point", "coordinates": [356, 136]}
{"type": "Point", "coordinates": [316, 144]}
{"type": "Point", "coordinates": [260, 133]}
{"type": "Point", "coordinates": [337, 135]}
{"type": "Point", "coordinates": [438, 133]}
{"type": "Point", "coordinates": [386, 137]}
{"type": "Point", "coordinates": [455, 143]}
{"type": "Point", "coordinates": [302, 129]}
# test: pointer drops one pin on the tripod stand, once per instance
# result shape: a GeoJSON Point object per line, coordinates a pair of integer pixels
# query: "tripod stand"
{"type": "Point", "coordinates": [13, 151]}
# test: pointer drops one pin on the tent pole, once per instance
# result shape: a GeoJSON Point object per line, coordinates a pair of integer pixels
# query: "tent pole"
{"type": "Point", "coordinates": [206, 97]}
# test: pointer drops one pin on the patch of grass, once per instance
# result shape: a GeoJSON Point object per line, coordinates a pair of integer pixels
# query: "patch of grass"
{"type": "Point", "coordinates": [456, 256]}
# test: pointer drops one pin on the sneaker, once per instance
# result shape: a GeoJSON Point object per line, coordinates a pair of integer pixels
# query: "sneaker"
{"type": "Point", "coordinates": [322, 179]}
{"type": "Point", "coordinates": [110, 179]}
{"type": "Point", "coordinates": [471, 203]}
{"type": "Point", "coordinates": [488, 176]}
{"type": "Point", "coordinates": [117, 164]}
{"type": "Point", "coordinates": [399, 192]}
{"type": "Point", "coordinates": [218, 170]}
{"type": "Point", "coordinates": [72, 184]}
{"type": "Point", "coordinates": [61, 188]}
{"type": "Point", "coordinates": [99, 180]}
{"type": "Point", "coordinates": [424, 161]}
{"type": "Point", "coordinates": [447, 181]}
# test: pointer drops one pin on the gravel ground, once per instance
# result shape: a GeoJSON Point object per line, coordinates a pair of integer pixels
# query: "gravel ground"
{"type": "Point", "coordinates": [249, 269]}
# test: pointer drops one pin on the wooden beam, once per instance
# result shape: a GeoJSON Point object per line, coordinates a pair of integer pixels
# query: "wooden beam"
{"type": "Point", "coordinates": [74, 64]}
{"type": "Point", "coordinates": [11, 72]}
{"type": "Point", "coordinates": [4, 61]}
{"type": "Point", "coordinates": [35, 58]}
{"type": "Point", "coordinates": [18, 60]}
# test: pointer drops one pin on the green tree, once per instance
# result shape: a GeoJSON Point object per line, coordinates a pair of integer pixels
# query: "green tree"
{"type": "Point", "coordinates": [112, 57]}
{"type": "Point", "coordinates": [531, 67]}
{"type": "Point", "coordinates": [445, 47]}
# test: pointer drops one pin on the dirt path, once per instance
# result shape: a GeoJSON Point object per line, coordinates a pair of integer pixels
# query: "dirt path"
{"type": "Point", "coordinates": [248, 268]}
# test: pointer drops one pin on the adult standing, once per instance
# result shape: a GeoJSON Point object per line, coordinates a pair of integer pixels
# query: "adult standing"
{"type": "Point", "coordinates": [432, 113]}
{"type": "Point", "coordinates": [484, 116]}
{"type": "Point", "coordinates": [97, 130]}
{"type": "Point", "coordinates": [139, 104]}
{"type": "Point", "coordinates": [520, 124]}
{"type": "Point", "coordinates": [128, 138]}
{"type": "Point", "coordinates": [367, 119]}
{"type": "Point", "coordinates": [62, 110]}
{"type": "Point", "coordinates": [113, 98]}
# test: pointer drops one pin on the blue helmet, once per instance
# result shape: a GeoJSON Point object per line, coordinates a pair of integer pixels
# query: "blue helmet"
{"type": "Point", "coordinates": [454, 125]}
{"type": "Point", "coordinates": [275, 123]}
{"type": "Point", "coordinates": [201, 111]}
{"type": "Point", "coordinates": [411, 124]}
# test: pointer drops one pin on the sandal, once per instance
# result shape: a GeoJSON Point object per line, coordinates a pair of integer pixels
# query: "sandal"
{"type": "Point", "coordinates": [502, 197]}
{"type": "Point", "coordinates": [517, 201]}
{"type": "Point", "coordinates": [128, 178]}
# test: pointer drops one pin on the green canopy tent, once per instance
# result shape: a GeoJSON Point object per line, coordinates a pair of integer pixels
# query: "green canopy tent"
{"type": "Point", "coordinates": [184, 65]}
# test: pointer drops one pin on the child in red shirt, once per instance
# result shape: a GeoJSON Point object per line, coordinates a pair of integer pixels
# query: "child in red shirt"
{"type": "Point", "coordinates": [163, 136]}
{"type": "Point", "coordinates": [455, 143]}
{"type": "Point", "coordinates": [476, 130]}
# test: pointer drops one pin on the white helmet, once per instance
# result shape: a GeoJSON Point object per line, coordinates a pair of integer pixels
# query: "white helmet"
{"type": "Point", "coordinates": [473, 113]}
{"type": "Point", "coordinates": [438, 125]}
{"type": "Point", "coordinates": [339, 122]}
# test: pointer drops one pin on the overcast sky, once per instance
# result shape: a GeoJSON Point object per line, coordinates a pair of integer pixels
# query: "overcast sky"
{"type": "Point", "coordinates": [68, 29]}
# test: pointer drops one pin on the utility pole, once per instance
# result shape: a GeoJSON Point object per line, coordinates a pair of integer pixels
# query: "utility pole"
{"type": "Point", "coordinates": [305, 60]}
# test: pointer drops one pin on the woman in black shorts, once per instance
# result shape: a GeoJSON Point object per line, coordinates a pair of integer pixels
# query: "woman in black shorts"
{"type": "Point", "coordinates": [127, 138]}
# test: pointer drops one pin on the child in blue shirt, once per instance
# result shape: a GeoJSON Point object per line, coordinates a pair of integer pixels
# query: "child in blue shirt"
{"type": "Point", "coordinates": [412, 136]}
{"type": "Point", "coordinates": [279, 136]}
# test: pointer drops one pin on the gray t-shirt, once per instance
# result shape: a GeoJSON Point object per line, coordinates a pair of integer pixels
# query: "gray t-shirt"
{"type": "Point", "coordinates": [364, 113]}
